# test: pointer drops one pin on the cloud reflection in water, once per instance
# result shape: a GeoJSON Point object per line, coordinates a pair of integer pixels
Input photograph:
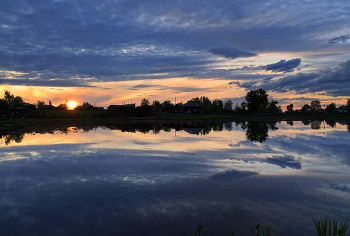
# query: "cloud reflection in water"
{"type": "Point", "coordinates": [109, 183]}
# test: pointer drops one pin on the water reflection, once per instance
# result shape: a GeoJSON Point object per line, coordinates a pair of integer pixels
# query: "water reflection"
{"type": "Point", "coordinates": [256, 131]}
{"type": "Point", "coordinates": [166, 179]}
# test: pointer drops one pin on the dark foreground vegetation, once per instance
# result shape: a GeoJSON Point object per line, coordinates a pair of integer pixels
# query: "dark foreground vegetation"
{"type": "Point", "coordinates": [325, 226]}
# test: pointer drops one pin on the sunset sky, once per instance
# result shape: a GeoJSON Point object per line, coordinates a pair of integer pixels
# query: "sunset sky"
{"type": "Point", "coordinates": [115, 51]}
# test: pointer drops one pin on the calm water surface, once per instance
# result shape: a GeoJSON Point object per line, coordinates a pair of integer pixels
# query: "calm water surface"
{"type": "Point", "coordinates": [167, 180]}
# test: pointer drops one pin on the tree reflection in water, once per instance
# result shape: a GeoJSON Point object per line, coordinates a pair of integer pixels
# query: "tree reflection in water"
{"type": "Point", "coordinates": [13, 137]}
{"type": "Point", "coordinates": [315, 124]}
{"type": "Point", "coordinates": [257, 131]}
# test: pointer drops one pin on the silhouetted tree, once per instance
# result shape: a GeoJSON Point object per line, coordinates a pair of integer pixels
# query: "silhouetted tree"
{"type": "Point", "coordinates": [242, 107]}
{"type": "Point", "coordinates": [216, 106]}
{"type": "Point", "coordinates": [86, 104]}
{"type": "Point", "coordinates": [257, 100]}
{"type": "Point", "coordinates": [348, 105]}
{"type": "Point", "coordinates": [305, 107]}
{"type": "Point", "coordinates": [17, 102]}
{"type": "Point", "coordinates": [8, 97]}
{"type": "Point", "coordinates": [315, 105]}
{"type": "Point", "coordinates": [228, 105]}
{"type": "Point", "coordinates": [11, 100]}
{"type": "Point", "coordinates": [290, 108]}
{"type": "Point", "coordinates": [142, 111]}
{"type": "Point", "coordinates": [272, 108]}
{"type": "Point", "coordinates": [167, 104]}
{"type": "Point", "coordinates": [40, 105]}
{"type": "Point", "coordinates": [63, 106]}
{"type": "Point", "coordinates": [156, 104]}
{"type": "Point", "coordinates": [330, 107]}
{"type": "Point", "coordinates": [145, 102]}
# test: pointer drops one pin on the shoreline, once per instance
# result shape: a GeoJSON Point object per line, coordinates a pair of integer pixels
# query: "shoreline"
{"type": "Point", "coordinates": [39, 125]}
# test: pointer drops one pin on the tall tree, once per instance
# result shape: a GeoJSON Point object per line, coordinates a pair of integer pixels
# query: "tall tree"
{"type": "Point", "coordinates": [8, 97]}
{"type": "Point", "coordinates": [17, 102]}
{"type": "Point", "coordinates": [11, 100]}
{"type": "Point", "coordinates": [145, 102]}
{"type": "Point", "coordinates": [315, 105]}
{"type": "Point", "coordinates": [330, 107]}
{"type": "Point", "coordinates": [167, 104]}
{"type": "Point", "coordinates": [348, 105]}
{"type": "Point", "coordinates": [40, 105]}
{"type": "Point", "coordinates": [86, 104]}
{"type": "Point", "coordinates": [305, 107]}
{"type": "Point", "coordinates": [156, 104]}
{"type": "Point", "coordinates": [257, 100]}
{"type": "Point", "coordinates": [217, 106]}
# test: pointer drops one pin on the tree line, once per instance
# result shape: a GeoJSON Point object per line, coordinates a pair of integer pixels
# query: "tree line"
{"type": "Point", "coordinates": [255, 101]}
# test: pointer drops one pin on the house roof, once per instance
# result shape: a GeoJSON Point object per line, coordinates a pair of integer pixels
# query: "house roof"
{"type": "Point", "coordinates": [192, 104]}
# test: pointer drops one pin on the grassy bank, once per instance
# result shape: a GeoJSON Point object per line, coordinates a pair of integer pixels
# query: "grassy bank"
{"type": "Point", "coordinates": [325, 226]}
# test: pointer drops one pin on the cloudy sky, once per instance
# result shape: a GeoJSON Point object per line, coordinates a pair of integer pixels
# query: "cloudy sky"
{"type": "Point", "coordinates": [107, 52]}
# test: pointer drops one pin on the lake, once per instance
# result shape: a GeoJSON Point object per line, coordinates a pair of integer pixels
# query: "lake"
{"type": "Point", "coordinates": [167, 179]}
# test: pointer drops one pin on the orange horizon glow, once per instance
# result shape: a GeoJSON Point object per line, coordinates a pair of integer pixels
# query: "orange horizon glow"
{"type": "Point", "coordinates": [109, 93]}
{"type": "Point", "coordinates": [71, 105]}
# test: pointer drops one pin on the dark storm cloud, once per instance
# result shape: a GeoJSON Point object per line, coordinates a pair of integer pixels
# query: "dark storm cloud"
{"type": "Point", "coordinates": [332, 81]}
{"type": "Point", "coordinates": [118, 41]}
{"type": "Point", "coordinates": [284, 161]}
{"type": "Point", "coordinates": [342, 39]}
{"type": "Point", "coordinates": [229, 52]}
{"type": "Point", "coordinates": [283, 65]}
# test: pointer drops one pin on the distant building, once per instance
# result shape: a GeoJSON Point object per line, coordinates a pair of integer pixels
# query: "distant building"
{"type": "Point", "coordinates": [192, 107]}
{"type": "Point", "coordinates": [84, 108]}
{"type": "Point", "coordinates": [342, 109]}
{"type": "Point", "coordinates": [309, 110]}
{"type": "Point", "coordinates": [125, 107]}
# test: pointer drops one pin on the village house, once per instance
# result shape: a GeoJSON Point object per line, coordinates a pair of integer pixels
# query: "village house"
{"type": "Point", "coordinates": [342, 109]}
{"type": "Point", "coordinates": [192, 107]}
{"type": "Point", "coordinates": [84, 108]}
{"type": "Point", "coordinates": [125, 107]}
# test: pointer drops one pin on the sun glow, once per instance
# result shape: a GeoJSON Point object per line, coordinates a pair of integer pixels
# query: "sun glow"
{"type": "Point", "coordinates": [71, 105]}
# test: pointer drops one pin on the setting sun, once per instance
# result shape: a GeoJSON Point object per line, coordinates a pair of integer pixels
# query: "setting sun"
{"type": "Point", "coordinates": [71, 105]}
